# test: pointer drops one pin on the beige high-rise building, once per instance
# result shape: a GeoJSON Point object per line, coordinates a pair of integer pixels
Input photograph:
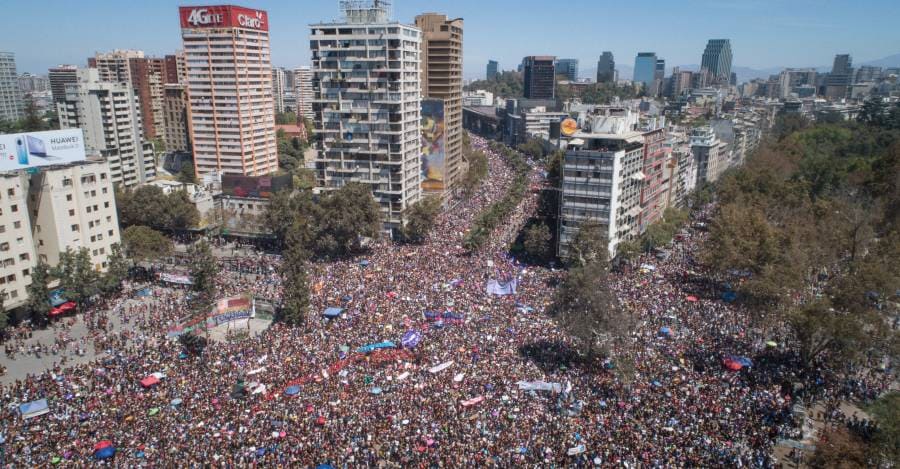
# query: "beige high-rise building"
{"type": "Point", "coordinates": [42, 214]}
{"type": "Point", "coordinates": [109, 114]}
{"type": "Point", "coordinates": [145, 75]}
{"type": "Point", "coordinates": [278, 84]}
{"type": "Point", "coordinates": [17, 255]}
{"type": "Point", "coordinates": [73, 206]}
{"type": "Point", "coordinates": [442, 72]}
{"type": "Point", "coordinates": [229, 86]}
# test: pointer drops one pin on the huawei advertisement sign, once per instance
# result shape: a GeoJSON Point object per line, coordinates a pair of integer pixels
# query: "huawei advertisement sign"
{"type": "Point", "coordinates": [22, 151]}
{"type": "Point", "coordinates": [223, 17]}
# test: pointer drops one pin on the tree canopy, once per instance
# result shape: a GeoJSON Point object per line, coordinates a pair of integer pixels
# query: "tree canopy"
{"type": "Point", "coordinates": [150, 206]}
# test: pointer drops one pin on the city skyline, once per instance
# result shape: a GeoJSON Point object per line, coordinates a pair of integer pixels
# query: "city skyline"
{"type": "Point", "coordinates": [801, 34]}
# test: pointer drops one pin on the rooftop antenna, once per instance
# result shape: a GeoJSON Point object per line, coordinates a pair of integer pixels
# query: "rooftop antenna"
{"type": "Point", "coordinates": [366, 11]}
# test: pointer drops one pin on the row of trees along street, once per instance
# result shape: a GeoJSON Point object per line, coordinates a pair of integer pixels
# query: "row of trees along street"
{"type": "Point", "coordinates": [808, 232]}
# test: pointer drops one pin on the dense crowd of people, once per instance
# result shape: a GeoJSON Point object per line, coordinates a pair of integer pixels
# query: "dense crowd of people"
{"type": "Point", "coordinates": [449, 396]}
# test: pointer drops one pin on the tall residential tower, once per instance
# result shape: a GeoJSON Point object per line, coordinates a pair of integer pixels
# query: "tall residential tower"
{"type": "Point", "coordinates": [366, 80]}
{"type": "Point", "coordinates": [229, 88]}
{"type": "Point", "coordinates": [442, 71]}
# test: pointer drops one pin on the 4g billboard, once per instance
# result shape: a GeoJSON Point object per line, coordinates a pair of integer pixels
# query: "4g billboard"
{"type": "Point", "coordinates": [224, 16]}
{"type": "Point", "coordinates": [23, 151]}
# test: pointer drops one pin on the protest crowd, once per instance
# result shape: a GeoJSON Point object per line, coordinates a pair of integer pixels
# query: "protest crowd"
{"type": "Point", "coordinates": [420, 366]}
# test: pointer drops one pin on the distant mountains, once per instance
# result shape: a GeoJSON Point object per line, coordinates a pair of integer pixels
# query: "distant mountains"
{"type": "Point", "coordinates": [747, 73]}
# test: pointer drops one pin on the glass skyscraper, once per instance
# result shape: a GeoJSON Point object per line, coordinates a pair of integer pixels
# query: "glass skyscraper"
{"type": "Point", "coordinates": [717, 60]}
{"type": "Point", "coordinates": [645, 67]}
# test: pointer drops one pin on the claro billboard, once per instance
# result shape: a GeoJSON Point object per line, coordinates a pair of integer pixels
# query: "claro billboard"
{"type": "Point", "coordinates": [22, 151]}
{"type": "Point", "coordinates": [225, 16]}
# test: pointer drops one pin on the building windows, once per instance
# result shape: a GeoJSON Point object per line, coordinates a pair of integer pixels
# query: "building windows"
{"type": "Point", "coordinates": [71, 212]}
{"type": "Point", "coordinates": [68, 197]}
{"type": "Point", "coordinates": [11, 192]}
{"type": "Point", "coordinates": [17, 224]}
{"type": "Point", "coordinates": [24, 257]}
{"type": "Point", "coordinates": [75, 227]}
{"type": "Point", "coordinates": [14, 294]}
{"type": "Point", "coordinates": [26, 272]}
{"type": "Point", "coordinates": [110, 232]}
{"type": "Point", "coordinates": [4, 247]}
{"type": "Point", "coordinates": [13, 208]}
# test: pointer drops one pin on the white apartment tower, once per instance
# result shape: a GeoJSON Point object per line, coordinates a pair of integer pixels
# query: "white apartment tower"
{"type": "Point", "coordinates": [109, 114]}
{"type": "Point", "coordinates": [278, 84]}
{"type": "Point", "coordinates": [231, 111]}
{"type": "Point", "coordinates": [303, 91]}
{"type": "Point", "coordinates": [366, 80]}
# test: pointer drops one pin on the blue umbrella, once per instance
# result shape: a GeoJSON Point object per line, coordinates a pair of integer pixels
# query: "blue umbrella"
{"type": "Point", "coordinates": [176, 402]}
{"type": "Point", "coordinates": [364, 263]}
{"type": "Point", "coordinates": [744, 361]}
{"type": "Point", "coordinates": [292, 391]}
{"type": "Point", "coordinates": [105, 453]}
{"type": "Point", "coordinates": [324, 466]}
{"type": "Point", "coordinates": [665, 331]}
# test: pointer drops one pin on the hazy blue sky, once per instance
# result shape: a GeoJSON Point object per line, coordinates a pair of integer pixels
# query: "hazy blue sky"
{"type": "Point", "coordinates": [763, 33]}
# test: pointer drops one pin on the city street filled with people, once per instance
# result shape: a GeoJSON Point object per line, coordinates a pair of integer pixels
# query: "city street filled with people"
{"type": "Point", "coordinates": [421, 367]}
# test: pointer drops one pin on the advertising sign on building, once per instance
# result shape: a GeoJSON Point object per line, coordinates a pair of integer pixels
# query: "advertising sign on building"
{"type": "Point", "coordinates": [262, 187]}
{"type": "Point", "coordinates": [434, 138]}
{"type": "Point", "coordinates": [223, 16]}
{"type": "Point", "coordinates": [28, 150]}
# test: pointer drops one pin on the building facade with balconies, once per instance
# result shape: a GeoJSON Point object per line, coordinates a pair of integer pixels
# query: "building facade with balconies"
{"type": "Point", "coordinates": [367, 107]}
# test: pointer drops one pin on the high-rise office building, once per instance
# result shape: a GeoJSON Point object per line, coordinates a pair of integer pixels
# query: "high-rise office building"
{"type": "Point", "coordinates": [681, 81]}
{"type": "Point", "coordinates": [540, 76]}
{"type": "Point", "coordinates": [442, 71]}
{"type": "Point", "coordinates": [660, 71]}
{"type": "Point", "coordinates": [606, 68]}
{"type": "Point", "coordinates": [645, 68]}
{"type": "Point", "coordinates": [367, 106]}
{"type": "Point", "coordinates": [59, 77]}
{"type": "Point", "coordinates": [791, 78]}
{"type": "Point", "coordinates": [31, 83]}
{"type": "Point", "coordinates": [568, 67]}
{"type": "Point", "coordinates": [867, 73]}
{"type": "Point", "coordinates": [229, 85]}
{"type": "Point", "coordinates": [145, 75]}
{"type": "Point", "coordinates": [175, 119]}
{"type": "Point", "coordinates": [10, 96]}
{"type": "Point", "coordinates": [493, 69]}
{"type": "Point", "coordinates": [837, 83]}
{"type": "Point", "coordinates": [109, 114]}
{"type": "Point", "coordinates": [717, 60]}
{"type": "Point", "coordinates": [303, 91]}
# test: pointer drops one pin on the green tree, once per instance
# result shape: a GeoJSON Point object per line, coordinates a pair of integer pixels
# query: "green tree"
{"type": "Point", "coordinates": [507, 84]}
{"type": "Point", "coordinates": [285, 118]}
{"type": "Point", "coordinates": [186, 174]}
{"type": "Point", "coordinates": [840, 449]}
{"type": "Point", "coordinates": [150, 206]}
{"type": "Point", "coordinates": [116, 270]}
{"type": "Point", "coordinates": [420, 218]}
{"type": "Point", "coordinates": [192, 343]}
{"type": "Point", "coordinates": [886, 412]}
{"type": "Point", "coordinates": [586, 307]}
{"type": "Point", "coordinates": [38, 303]}
{"type": "Point", "coordinates": [348, 215]}
{"type": "Point", "coordinates": [204, 269]}
{"type": "Point", "coordinates": [32, 121]}
{"type": "Point", "coordinates": [143, 243]}
{"type": "Point", "coordinates": [77, 276]}
{"type": "Point", "coordinates": [589, 244]}
{"type": "Point", "coordinates": [295, 309]}
{"type": "Point", "coordinates": [536, 241]}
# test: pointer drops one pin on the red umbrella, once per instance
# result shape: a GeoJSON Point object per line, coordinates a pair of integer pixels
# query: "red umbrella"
{"type": "Point", "coordinates": [692, 298]}
{"type": "Point", "coordinates": [102, 444]}
{"type": "Point", "coordinates": [732, 364]}
{"type": "Point", "coordinates": [149, 381]}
